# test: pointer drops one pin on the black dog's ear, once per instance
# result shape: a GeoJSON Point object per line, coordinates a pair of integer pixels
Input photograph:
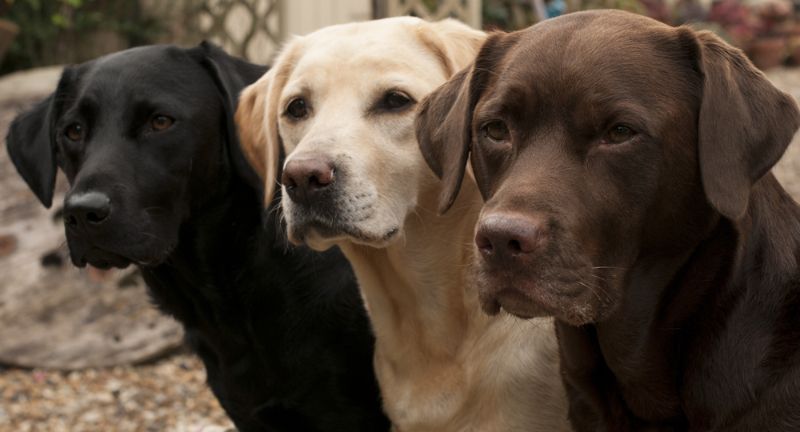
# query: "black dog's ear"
{"type": "Point", "coordinates": [232, 75]}
{"type": "Point", "coordinates": [30, 144]}
{"type": "Point", "coordinates": [444, 122]}
{"type": "Point", "coordinates": [745, 124]}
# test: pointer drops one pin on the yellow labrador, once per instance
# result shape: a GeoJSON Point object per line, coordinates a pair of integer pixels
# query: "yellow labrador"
{"type": "Point", "coordinates": [341, 102]}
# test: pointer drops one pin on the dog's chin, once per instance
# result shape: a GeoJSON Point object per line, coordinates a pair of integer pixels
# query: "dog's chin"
{"type": "Point", "coordinates": [320, 235]}
{"type": "Point", "coordinates": [104, 257]}
{"type": "Point", "coordinates": [513, 302]}
{"type": "Point", "coordinates": [99, 258]}
{"type": "Point", "coordinates": [527, 298]}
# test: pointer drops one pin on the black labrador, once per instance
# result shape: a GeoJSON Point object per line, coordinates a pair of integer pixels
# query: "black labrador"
{"type": "Point", "coordinates": [626, 170]}
{"type": "Point", "coordinates": [147, 141]}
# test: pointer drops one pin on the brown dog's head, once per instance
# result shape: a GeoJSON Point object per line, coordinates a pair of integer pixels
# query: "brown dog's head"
{"type": "Point", "coordinates": [598, 140]}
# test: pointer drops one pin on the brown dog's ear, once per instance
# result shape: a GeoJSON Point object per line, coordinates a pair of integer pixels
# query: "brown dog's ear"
{"type": "Point", "coordinates": [257, 121]}
{"type": "Point", "coordinates": [443, 127]}
{"type": "Point", "coordinates": [745, 125]}
{"type": "Point", "coordinates": [444, 121]}
{"type": "Point", "coordinates": [455, 45]}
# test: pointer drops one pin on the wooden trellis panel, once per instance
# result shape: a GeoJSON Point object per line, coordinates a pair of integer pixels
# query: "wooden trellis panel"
{"type": "Point", "coordinates": [252, 29]}
{"type": "Point", "coordinates": [468, 11]}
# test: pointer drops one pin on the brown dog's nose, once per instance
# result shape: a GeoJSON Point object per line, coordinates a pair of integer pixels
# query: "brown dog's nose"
{"type": "Point", "coordinates": [305, 178]}
{"type": "Point", "coordinates": [505, 236]}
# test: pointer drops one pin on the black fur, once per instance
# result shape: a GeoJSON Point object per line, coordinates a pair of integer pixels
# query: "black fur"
{"type": "Point", "coordinates": [281, 330]}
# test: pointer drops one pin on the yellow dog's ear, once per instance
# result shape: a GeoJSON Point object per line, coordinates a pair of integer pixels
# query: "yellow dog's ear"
{"type": "Point", "coordinates": [257, 120]}
{"type": "Point", "coordinates": [453, 42]}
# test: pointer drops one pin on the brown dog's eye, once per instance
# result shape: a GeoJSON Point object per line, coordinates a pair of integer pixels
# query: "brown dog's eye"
{"type": "Point", "coordinates": [618, 134]}
{"type": "Point", "coordinates": [496, 131]}
{"type": "Point", "coordinates": [161, 122]}
{"type": "Point", "coordinates": [395, 101]}
{"type": "Point", "coordinates": [297, 109]}
{"type": "Point", "coordinates": [74, 132]}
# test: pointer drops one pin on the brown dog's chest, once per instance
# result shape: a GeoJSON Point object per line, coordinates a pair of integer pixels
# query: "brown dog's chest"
{"type": "Point", "coordinates": [625, 390]}
{"type": "Point", "coordinates": [690, 349]}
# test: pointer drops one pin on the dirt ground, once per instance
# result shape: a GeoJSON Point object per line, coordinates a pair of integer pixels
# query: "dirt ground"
{"type": "Point", "coordinates": [170, 395]}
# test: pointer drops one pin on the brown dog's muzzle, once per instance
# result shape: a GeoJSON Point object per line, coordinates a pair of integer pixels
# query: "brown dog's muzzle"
{"type": "Point", "coordinates": [527, 267]}
{"type": "Point", "coordinates": [510, 239]}
{"type": "Point", "coordinates": [509, 243]}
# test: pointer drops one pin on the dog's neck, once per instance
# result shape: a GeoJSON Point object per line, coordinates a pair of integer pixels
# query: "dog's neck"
{"type": "Point", "coordinates": [444, 365]}
{"type": "Point", "coordinates": [767, 238]}
{"type": "Point", "coordinates": [417, 285]}
{"type": "Point", "coordinates": [221, 241]}
{"type": "Point", "coordinates": [735, 259]}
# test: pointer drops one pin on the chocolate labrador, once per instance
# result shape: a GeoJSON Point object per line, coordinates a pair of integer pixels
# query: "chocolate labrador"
{"type": "Point", "coordinates": [625, 166]}
{"type": "Point", "coordinates": [147, 141]}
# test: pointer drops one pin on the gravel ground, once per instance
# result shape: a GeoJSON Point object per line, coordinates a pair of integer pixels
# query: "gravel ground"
{"type": "Point", "coordinates": [171, 395]}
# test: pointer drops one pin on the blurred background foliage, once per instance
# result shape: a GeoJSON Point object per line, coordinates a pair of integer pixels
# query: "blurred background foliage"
{"type": "Point", "coordinates": [767, 30]}
{"type": "Point", "coordinates": [72, 31]}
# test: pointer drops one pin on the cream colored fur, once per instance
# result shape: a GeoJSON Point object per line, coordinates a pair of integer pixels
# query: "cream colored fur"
{"type": "Point", "coordinates": [441, 363]}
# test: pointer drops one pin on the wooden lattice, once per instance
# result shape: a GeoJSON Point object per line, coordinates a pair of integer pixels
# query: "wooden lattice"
{"type": "Point", "coordinates": [252, 29]}
{"type": "Point", "coordinates": [468, 11]}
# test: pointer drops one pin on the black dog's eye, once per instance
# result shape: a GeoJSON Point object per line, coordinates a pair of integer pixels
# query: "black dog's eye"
{"type": "Point", "coordinates": [297, 109]}
{"type": "Point", "coordinates": [618, 134]}
{"type": "Point", "coordinates": [160, 122]}
{"type": "Point", "coordinates": [496, 130]}
{"type": "Point", "coordinates": [74, 132]}
{"type": "Point", "coordinates": [395, 101]}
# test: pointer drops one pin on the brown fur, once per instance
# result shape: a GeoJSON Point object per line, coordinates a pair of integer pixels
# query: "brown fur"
{"type": "Point", "coordinates": [667, 252]}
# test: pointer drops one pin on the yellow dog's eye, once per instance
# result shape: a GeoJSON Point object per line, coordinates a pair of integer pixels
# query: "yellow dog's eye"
{"type": "Point", "coordinates": [395, 100]}
{"type": "Point", "coordinates": [297, 109]}
{"type": "Point", "coordinates": [74, 132]}
{"type": "Point", "coordinates": [160, 122]}
{"type": "Point", "coordinates": [618, 134]}
{"type": "Point", "coordinates": [496, 130]}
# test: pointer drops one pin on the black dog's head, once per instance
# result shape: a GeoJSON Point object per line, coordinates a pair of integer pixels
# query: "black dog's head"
{"type": "Point", "coordinates": [143, 136]}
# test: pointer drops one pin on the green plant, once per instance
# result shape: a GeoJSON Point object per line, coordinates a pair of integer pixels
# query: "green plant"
{"type": "Point", "coordinates": [61, 31]}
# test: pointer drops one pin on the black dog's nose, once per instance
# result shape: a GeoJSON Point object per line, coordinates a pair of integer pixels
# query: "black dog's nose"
{"type": "Point", "coordinates": [86, 209]}
{"type": "Point", "coordinates": [504, 236]}
{"type": "Point", "coordinates": [306, 177]}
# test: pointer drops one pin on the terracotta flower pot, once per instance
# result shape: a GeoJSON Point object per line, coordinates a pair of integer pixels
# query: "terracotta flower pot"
{"type": "Point", "coordinates": [8, 31]}
{"type": "Point", "coordinates": [768, 52]}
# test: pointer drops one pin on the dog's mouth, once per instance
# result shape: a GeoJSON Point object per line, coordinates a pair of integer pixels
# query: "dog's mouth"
{"type": "Point", "coordinates": [513, 302]}
{"type": "Point", "coordinates": [99, 258]}
{"type": "Point", "coordinates": [564, 294]}
{"type": "Point", "coordinates": [146, 254]}
{"type": "Point", "coordinates": [321, 227]}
